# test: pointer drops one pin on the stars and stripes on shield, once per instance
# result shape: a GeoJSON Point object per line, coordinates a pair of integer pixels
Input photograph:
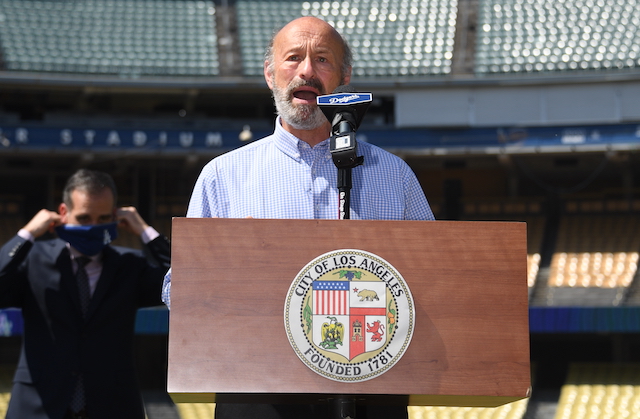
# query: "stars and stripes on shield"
{"type": "Point", "coordinates": [331, 297]}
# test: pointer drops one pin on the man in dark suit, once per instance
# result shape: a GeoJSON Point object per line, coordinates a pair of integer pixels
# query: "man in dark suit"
{"type": "Point", "coordinates": [79, 313]}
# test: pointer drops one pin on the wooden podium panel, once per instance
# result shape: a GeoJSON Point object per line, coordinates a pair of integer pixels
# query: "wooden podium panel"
{"type": "Point", "coordinates": [230, 278]}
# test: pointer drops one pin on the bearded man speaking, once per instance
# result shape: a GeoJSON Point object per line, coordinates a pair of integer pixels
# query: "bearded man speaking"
{"type": "Point", "coordinates": [290, 174]}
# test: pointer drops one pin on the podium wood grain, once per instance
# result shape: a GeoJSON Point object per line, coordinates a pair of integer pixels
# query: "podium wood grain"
{"type": "Point", "coordinates": [230, 278]}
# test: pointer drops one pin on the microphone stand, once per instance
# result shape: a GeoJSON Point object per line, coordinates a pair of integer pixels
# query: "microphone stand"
{"type": "Point", "coordinates": [345, 159]}
{"type": "Point", "coordinates": [344, 109]}
{"type": "Point", "coordinates": [342, 407]}
{"type": "Point", "coordinates": [344, 193]}
{"type": "Point", "coordinates": [345, 162]}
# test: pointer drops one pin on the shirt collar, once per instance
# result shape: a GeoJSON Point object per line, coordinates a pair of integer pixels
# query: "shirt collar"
{"type": "Point", "coordinates": [75, 254]}
{"type": "Point", "coordinates": [291, 145]}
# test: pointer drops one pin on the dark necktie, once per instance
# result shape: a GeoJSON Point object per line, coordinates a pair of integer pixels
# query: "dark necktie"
{"type": "Point", "coordinates": [78, 401]}
{"type": "Point", "coordinates": [83, 283]}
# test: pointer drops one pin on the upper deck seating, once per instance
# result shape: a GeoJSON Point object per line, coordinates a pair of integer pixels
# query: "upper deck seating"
{"type": "Point", "coordinates": [129, 38]}
{"type": "Point", "coordinates": [388, 37]}
{"type": "Point", "coordinates": [518, 36]}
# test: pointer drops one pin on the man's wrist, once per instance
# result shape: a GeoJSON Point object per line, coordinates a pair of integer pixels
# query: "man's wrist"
{"type": "Point", "coordinates": [26, 234]}
{"type": "Point", "coordinates": [149, 234]}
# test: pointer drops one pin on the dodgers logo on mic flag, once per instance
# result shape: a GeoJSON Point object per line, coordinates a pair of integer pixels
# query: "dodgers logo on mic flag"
{"type": "Point", "coordinates": [344, 98]}
{"type": "Point", "coordinates": [349, 315]}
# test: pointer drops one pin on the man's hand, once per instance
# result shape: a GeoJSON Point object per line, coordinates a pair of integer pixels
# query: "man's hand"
{"type": "Point", "coordinates": [44, 221]}
{"type": "Point", "coordinates": [129, 219]}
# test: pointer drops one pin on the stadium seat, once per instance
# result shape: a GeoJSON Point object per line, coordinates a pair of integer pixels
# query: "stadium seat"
{"type": "Point", "coordinates": [11, 218]}
{"type": "Point", "coordinates": [196, 410]}
{"type": "Point", "coordinates": [388, 38]}
{"type": "Point", "coordinates": [6, 376]}
{"type": "Point", "coordinates": [515, 410]}
{"type": "Point", "coordinates": [9, 226]}
{"type": "Point", "coordinates": [595, 259]}
{"type": "Point", "coordinates": [594, 269]}
{"type": "Point", "coordinates": [601, 390]}
{"type": "Point", "coordinates": [528, 211]}
{"type": "Point", "coordinates": [548, 36]}
{"type": "Point", "coordinates": [128, 38]}
{"type": "Point", "coordinates": [533, 265]}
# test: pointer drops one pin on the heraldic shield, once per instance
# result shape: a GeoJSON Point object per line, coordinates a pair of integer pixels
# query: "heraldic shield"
{"type": "Point", "coordinates": [350, 316]}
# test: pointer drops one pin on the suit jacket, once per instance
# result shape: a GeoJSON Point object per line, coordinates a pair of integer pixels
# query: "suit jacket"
{"type": "Point", "coordinates": [58, 344]}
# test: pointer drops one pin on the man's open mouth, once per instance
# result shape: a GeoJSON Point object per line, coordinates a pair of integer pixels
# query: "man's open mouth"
{"type": "Point", "coordinates": [306, 95]}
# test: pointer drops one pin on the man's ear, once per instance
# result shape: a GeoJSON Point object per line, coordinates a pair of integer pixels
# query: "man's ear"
{"type": "Point", "coordinates": [64, 213]}
{"type": "Point", "coordinates": [347, 76]}
{"type": "Point", "coordinates": [268, 75]}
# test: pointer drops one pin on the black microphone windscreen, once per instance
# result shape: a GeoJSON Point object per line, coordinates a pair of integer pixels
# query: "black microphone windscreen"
{"type": "Point", "coordinates": [344, 88]}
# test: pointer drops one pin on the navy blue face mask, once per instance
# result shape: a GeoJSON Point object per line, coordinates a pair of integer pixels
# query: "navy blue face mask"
{"type": "Point", "coordinates": [88, 240]}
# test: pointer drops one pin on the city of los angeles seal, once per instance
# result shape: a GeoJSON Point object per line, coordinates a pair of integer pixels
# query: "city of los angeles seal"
{"type": "Point", "coordinates": [349, 315]}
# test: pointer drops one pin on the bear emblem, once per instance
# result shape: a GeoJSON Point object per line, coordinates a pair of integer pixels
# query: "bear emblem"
{"type": "Point", "coordinates": [368, 295]}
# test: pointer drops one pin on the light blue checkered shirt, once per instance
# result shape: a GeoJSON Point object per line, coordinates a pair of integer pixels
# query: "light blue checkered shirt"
{"type": "Point", "coordinates": [281, 176]}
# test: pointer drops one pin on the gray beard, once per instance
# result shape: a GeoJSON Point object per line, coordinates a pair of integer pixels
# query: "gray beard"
{"type": "Point", "coordinates": [302, 117]}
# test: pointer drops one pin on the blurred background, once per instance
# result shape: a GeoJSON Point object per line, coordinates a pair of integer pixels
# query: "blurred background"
{"type": "Point", "coordinates": [514, 110]}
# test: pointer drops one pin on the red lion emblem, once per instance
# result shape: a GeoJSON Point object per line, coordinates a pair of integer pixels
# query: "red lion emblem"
{"type": "Point", "coordinates": [377, 329]}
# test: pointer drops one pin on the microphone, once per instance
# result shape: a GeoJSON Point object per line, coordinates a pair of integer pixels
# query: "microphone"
{"type": "Point", "coordinates": [344, 108]}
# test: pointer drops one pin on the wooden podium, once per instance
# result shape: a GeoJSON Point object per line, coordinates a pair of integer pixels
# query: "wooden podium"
{"type": "Point", "coordinates": [230, 277]}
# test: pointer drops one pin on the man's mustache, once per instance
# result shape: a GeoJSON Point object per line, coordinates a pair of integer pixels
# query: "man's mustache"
{"type": "Point", "coordinates": [313, 83]}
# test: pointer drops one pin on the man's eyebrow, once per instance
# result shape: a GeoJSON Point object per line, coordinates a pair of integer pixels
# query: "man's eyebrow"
{"type": "Point", "coordinates": [293, 50]}
{"type": "Point", "coordinates": [324, 51]}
